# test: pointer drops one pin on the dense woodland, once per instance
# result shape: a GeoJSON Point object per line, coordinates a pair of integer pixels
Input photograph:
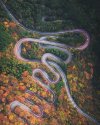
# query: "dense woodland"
{"type": "Point", "coordinates": [82, 73]}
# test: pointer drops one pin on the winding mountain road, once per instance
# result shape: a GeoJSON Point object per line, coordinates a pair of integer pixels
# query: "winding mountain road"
{"type": "Point", "coordinates": [52, 62]}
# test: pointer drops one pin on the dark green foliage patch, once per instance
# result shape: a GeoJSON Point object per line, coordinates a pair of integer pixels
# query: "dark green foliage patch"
{"type": "Point", "coordinates": [5, 38]}
{"type": "Point", "coordinates": [12, 67]}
